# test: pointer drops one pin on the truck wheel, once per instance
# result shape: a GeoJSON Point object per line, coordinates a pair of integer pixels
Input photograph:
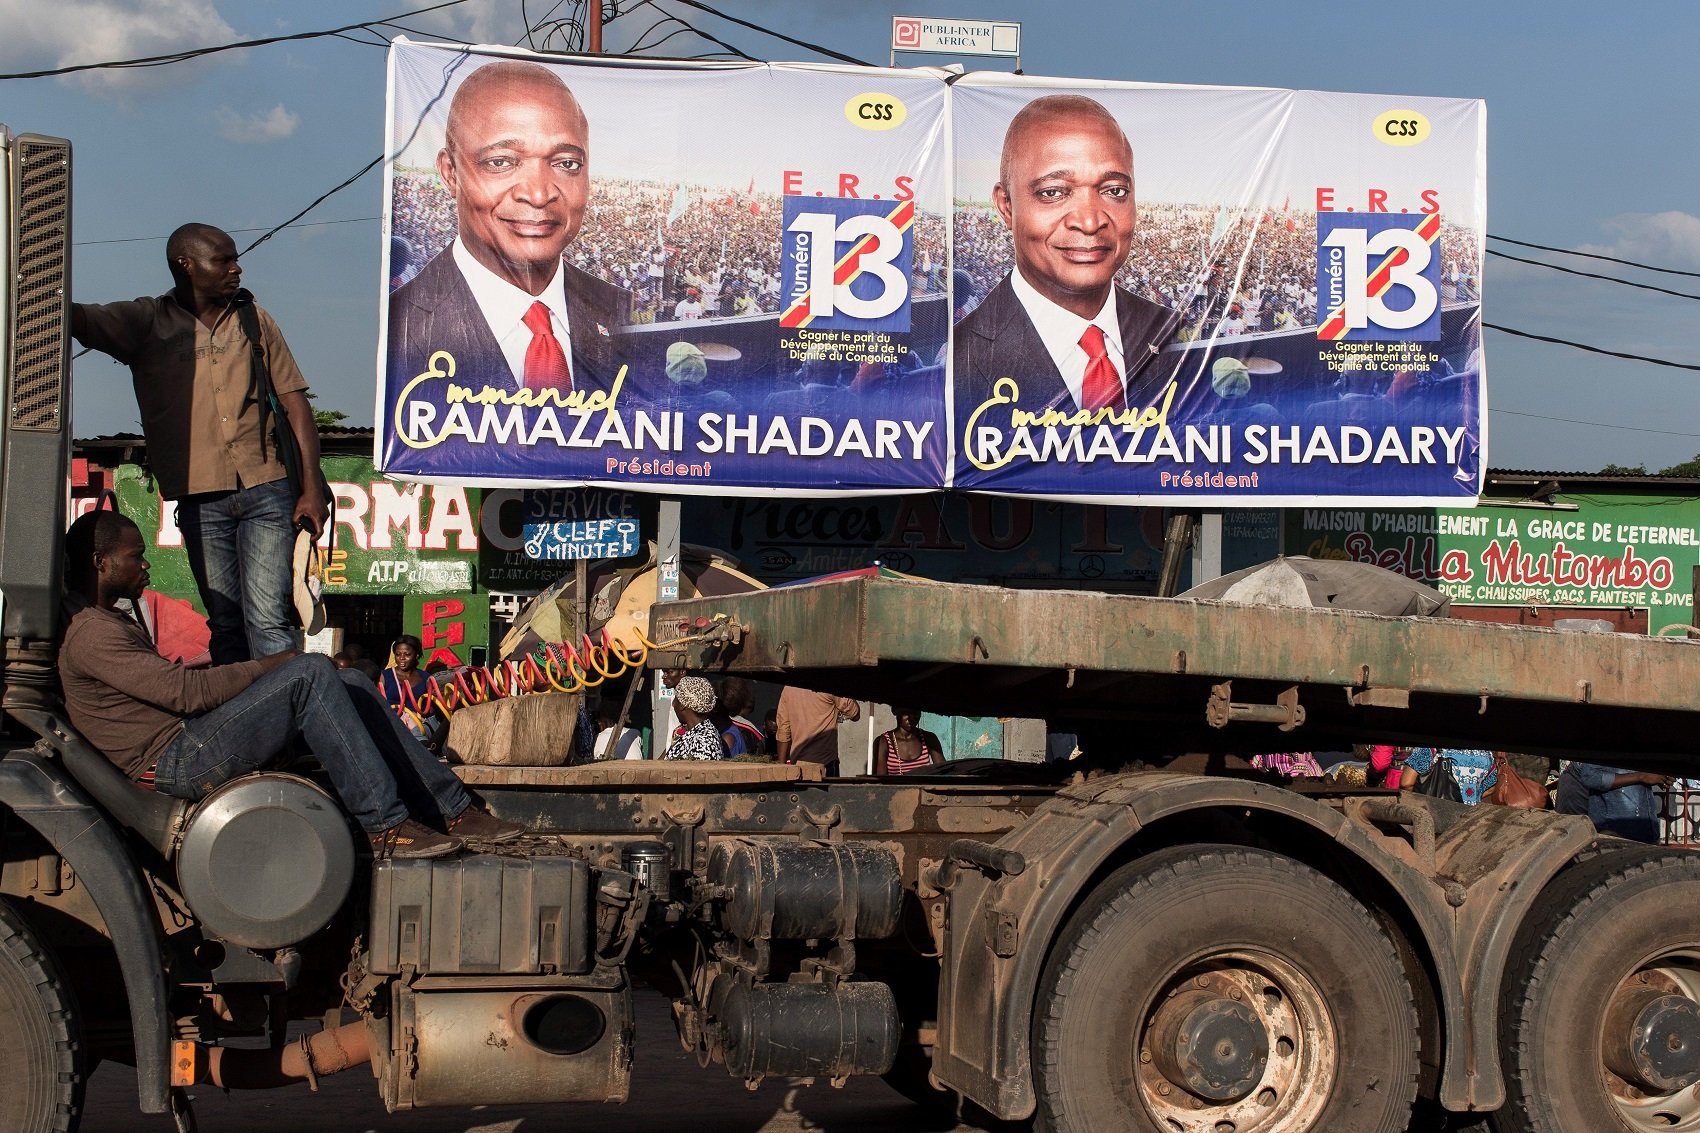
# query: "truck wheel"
{"type": "Point", "coordinates": [1219, 988]}
{"type": "Point", "coordinates": [1600, 1016]}
{"type": "Point", "coordinates": [40, 1042]}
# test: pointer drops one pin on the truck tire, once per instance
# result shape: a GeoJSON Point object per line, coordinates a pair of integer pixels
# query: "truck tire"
{"type": "Point", "coordinates": [1600, 1013]}
{"type": "Point", "coordinates": [41, 1045]}
{"type": "Point", "coordinates": [1290, 984]}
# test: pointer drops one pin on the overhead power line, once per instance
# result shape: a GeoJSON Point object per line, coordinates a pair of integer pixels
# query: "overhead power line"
{"type": "Point", "coordinates": [803, 43]}
{"type": "Point", "coordinates": [1593, 256]}
{"type": "Point", "coordinates": [197, 52]}
{"type": "Point", "coordinates": [1596, 424]}
{"type": "Point", "coordinates": [1591, 275]}
{"type": "Point", "coordinates": [1593, 349]}
{"type": "Point", "coordinates": [317, 201]}
{"type": "Point", "coordinates": [391, 21]}
{"type": "Point", "coordinates": [714, 39]}
{"type": "Point", "coordinates": [232, 231]}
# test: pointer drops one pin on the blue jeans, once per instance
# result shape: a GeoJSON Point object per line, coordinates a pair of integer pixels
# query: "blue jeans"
{"type": "Point", "coordinates": [240, 544]}
{"type": "Point", "coordinates": [379, 770]}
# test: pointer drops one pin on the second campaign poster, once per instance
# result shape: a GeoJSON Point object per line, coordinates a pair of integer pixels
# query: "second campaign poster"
{"type": "Point", "coordinates": [1191, 295]}
{"type": "Point", "coordinates": [749, 278]}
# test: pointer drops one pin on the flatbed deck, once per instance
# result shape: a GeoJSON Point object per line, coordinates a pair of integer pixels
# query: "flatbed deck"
{"type": "Point", "coordinates": [1088, 661]}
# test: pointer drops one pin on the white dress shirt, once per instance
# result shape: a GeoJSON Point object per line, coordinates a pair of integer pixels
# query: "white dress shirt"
{"type": "Point", "coordinates": [1060, 331]}
{"type": "Point", "coordinates": [504, 307]}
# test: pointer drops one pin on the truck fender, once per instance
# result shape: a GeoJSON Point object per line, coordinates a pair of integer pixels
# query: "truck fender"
{"type": "Point", "coordinates": [1001, 928]}
{"type": "Point", "coordinates": [40, 795]}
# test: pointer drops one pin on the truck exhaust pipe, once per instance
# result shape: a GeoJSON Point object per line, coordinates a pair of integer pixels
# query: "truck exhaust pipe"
{"type": "Point", "coordinates": [307, 1059]}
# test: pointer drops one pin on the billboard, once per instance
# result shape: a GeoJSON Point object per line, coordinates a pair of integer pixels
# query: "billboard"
{"type": "Point", "coordinates": [1098, 292]}
{"type": "Point", "coordinates": [717, 309]}
{"type": "Point", "coordinates": [1601, 552]}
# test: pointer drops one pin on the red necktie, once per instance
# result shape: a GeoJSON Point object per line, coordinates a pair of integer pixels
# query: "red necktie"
{"type": "Point", "coordinates": [545, 362]}
{"type": "Point", "coordinates": [1103, 386]}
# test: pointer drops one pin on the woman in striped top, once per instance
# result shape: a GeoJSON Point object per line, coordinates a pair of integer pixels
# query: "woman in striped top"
{"type": "Point", "coordinates": [907, 748]}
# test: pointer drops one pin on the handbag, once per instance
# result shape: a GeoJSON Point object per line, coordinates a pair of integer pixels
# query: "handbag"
{"type": "Point", "coordinates": [1513, 789]}
{"type": "Point", "coordinates": [274, 419]}
{"type": "Point", "coordinates": [1439, 782]}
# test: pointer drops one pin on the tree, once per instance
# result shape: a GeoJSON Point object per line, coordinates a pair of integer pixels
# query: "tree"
{"type": "Point", "coordinates": [1686, 468]}
{"type": "Point", "coordinates": [1624, 470]}
{"type": "Point", "coordinates": [326, 418]}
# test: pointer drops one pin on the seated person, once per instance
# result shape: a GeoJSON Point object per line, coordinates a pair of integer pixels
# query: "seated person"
{"type": "Point", "coordinates": [908, 748]}
{"type": "Point", "coordinates": [404, 686]}
{"type": "Point", "coordinates": [190, 730]}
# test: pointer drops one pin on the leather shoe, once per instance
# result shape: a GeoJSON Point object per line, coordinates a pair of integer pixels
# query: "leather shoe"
{"type": "Point", "coordinates": [408, 839]}
{"type": "Point", "coordinates": [475, 824]}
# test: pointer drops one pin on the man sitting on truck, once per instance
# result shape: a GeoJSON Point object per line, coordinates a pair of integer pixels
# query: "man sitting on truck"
{"type": "Point", "coordinates": [186, 731]}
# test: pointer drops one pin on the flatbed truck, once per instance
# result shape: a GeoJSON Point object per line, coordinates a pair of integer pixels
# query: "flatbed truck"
{"type": "Point", "coordinates": [1146, 938]}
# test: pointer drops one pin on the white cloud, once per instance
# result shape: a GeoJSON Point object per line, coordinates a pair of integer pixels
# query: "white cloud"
{"type": "Point", "coordinates": [1663, 239]}
{"type": "Point", "coordinates": [46, 35]}
{"type": "Point", "coordinates": [477, 21]}
{"type": "Point", "coordinates": [257, 129]}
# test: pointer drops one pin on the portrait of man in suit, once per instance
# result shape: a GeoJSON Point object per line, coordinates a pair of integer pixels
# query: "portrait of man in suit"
{"type": "Point", "coordinates": [1057, 324]}
{"type": "Point", "coordinates": [501, 299]}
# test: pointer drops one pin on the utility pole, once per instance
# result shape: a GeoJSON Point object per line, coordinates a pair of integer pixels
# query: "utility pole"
{"type": "Point", "coordinates": [593, 20]}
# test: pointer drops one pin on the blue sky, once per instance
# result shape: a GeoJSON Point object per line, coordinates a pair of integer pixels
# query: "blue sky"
{"type": "Point", "coordinates": [1591, 119]}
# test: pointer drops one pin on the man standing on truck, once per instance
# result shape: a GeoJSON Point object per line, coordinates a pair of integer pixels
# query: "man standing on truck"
{"type": "Point", "coordinates": [208, 446]}
{"type": "Point", "coordinates": [184, 732]}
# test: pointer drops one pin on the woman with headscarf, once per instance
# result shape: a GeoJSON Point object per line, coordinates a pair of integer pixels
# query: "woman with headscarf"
{"type": "Point", "coordinates": [693, 700]}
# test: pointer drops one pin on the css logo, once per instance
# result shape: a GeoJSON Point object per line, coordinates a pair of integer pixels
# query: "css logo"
{"type": "Point", "coordinates": [844, 264]}
{"type": "Point", "coordinates": [1377, 277]}
{"type": "Point", "coordinates": [1400, 128]}
{"type": "Point", "coordinates": [876, 111]}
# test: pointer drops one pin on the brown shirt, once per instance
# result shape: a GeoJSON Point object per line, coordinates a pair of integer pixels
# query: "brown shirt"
{"type": "Point", "coordinates": [810, 721]}
{"type": "Point", "coordinates": [191, 383]}
{"type": "Point", "coordinates": [126, 699]}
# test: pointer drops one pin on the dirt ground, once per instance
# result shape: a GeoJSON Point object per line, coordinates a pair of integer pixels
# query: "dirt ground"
{"type": "Point", "coordinates": [669, 1092]}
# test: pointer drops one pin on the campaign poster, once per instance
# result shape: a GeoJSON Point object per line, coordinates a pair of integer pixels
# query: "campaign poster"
{"type": "Point", "coordinates": [1216, 297]}
{"type": "Point", "coordinates": [663, 277]}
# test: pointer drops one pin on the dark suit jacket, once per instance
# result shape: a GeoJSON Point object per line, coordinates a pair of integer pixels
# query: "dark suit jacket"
{"type": "Point", "coordinates": [998, 340]}
{"type": "Point", "coordinates": [436, 311]}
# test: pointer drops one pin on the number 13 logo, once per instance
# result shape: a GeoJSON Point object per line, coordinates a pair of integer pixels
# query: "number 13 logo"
{"type": "Point", "coordinates": [1359, 270]}
{"type": "Point", "coordinates": [850, 271]}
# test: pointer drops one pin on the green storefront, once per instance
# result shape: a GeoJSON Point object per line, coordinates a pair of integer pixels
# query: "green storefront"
{"type": "Point", "coordinates": [408, 558]}
{"type": "Point", "coordinates": [1613, 549]}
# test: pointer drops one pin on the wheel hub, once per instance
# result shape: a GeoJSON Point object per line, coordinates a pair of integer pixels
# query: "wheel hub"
{"type": "Point", "coordinates": [1209, 1043]}
{"type": "Point", "coordinates": [1652, 1039]}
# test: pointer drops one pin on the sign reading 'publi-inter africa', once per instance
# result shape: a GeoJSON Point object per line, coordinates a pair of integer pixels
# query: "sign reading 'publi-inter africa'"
{"type": "Point", "coordinates": [1110, 292]}
{"type": "Point", "coordinates": [955, 36]}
